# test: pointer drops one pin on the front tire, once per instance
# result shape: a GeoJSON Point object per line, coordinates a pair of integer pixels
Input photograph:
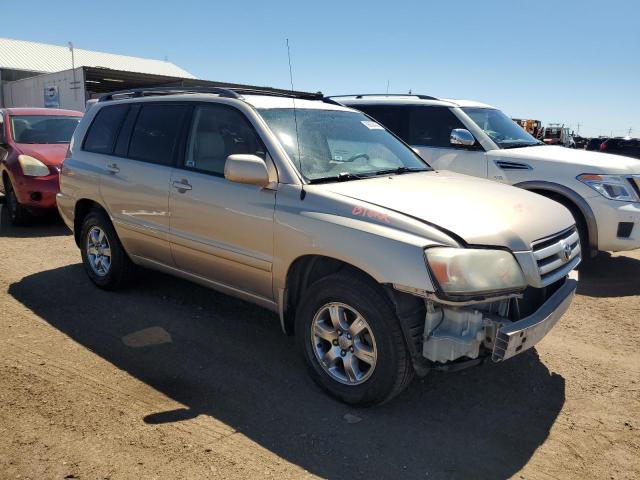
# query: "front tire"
{"type": "Point", "coordinates": [18, 214]}
{"type": "Point", "coordinates": [103, 257]}
{"type": "Point", "coordinates": [351, 339]}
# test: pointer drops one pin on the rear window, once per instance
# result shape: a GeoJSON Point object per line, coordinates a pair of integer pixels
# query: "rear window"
{"type": "Point", "coordinates": [155, 135]}
{"type": "Point", "coordinates": [104, 129]}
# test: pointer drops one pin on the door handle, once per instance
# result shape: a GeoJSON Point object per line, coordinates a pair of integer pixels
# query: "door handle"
{"type": "Point", "coordinates": [182, 185]}
{"type": "Point", "coordinates": [113, 168]}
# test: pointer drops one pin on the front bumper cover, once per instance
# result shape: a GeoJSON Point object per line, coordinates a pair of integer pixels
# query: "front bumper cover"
{"type": "Point", "coordinates": [516, 337]}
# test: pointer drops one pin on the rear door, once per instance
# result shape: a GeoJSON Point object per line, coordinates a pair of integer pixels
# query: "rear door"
{"type": "Point", "coordinates": [137, 173]}
{"type": "Point", "coordinates": [220, 230]}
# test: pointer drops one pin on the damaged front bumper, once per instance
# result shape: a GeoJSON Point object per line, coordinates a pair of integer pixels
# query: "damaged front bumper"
{"type": "Point", "coordinates": [458, 335]}
{"type": "Point", "coordinates": [516, 337]}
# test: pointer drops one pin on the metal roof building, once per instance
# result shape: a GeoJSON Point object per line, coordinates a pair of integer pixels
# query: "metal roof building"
{"type": "Point", "coordinates": [31, 57]}
{"type": "Point", "coordinates": [40, 75]}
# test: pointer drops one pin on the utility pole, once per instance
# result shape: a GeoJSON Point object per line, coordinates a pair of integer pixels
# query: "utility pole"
{"type": "Point", "coordinates": [73, 69]}
{"type": "Point", "coordinates": [578, 128]}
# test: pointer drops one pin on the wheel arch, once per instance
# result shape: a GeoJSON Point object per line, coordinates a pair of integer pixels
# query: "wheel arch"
{"type": "Point", "coordinates": [571, 200]}
{"type": "Point", "coordinates": [80, 211]}
{"type": "Point", "coordinates": [307, 269]}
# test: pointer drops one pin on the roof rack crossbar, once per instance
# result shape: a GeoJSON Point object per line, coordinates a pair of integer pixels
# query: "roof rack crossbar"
{"type": "Point", "coordinates": [228, 92]}
{"type": "Point", "coordinates": [362, 95]}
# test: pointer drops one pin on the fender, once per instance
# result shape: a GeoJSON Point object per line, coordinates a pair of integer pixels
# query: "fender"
{"type": "Point", "coordinates": [583, 206]}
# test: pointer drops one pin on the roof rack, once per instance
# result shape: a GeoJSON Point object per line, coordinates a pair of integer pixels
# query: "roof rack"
{"type": "Point", "coordinates": [228, 92]}
{"type": "Point", "coordinates": [362, 95]}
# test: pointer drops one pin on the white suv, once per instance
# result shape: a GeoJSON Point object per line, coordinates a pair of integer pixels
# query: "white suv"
{"type": "Point", "coordinates": [601, 191]}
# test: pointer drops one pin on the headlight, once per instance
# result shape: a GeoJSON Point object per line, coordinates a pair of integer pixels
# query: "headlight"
{"type": "Point", "coordinates": [32, 167]}
{"type": "Point", "coordinates": [461, 271]}
{"type": "Point", "coordinates": [613, 187]}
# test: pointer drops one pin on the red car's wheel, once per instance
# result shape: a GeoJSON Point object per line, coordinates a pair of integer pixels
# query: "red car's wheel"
{"type": "Point", "coordinates": [18, 214]}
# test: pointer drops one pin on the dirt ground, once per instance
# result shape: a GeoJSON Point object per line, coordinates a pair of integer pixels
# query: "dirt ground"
{"type": "Point", "coordinates": [170, 380]}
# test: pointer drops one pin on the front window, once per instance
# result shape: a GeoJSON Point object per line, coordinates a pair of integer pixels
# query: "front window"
{"type": "Point", "coordinates": [503, 131]}
{"type": "Point", "coordinates": [43, 128]}
{"type": "Point", "coordinates": [331, 145]}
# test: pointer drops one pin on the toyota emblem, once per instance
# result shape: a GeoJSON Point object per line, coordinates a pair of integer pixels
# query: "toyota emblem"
{"type": "Point", "coordinates": [565, 253]}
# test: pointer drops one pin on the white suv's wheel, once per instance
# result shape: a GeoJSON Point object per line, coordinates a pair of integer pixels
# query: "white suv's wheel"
{"type": "Point", "coordinates": [352, 341]}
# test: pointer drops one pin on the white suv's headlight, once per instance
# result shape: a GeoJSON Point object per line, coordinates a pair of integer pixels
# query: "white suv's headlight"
{"type": "Point", "coordinates": [32, 167]}
{"type": "Point", "coordinates": [462, 271]}
{"type": "Point", "coordinates": [613, 187]}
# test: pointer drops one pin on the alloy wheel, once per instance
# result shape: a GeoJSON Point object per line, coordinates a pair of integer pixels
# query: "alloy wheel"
{"type": "Point", "coordinates": [98, 251]}
{"type": "Point", "coordinates": [343, 343]}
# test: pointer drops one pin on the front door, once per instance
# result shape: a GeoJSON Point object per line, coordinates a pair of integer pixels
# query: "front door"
{"type": "Point", "coordinates": [429, 131]}
{"type": "Point", "coordinates": [220, 230]}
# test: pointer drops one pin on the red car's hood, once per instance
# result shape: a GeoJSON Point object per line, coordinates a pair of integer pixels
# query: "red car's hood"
{"type": "Point", "coordinates": [51, 154]}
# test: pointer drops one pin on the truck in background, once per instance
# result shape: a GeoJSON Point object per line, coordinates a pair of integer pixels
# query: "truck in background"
{"type": "Point", "coordinates": [558, 134]}
{"type": "Point", "coordinates": [533, 127]}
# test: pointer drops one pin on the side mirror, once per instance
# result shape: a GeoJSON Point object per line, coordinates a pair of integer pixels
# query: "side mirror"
{"type": "Point", "coordinates": [249, 169]}
{"type": "Point", "coordinates": [462, 137]}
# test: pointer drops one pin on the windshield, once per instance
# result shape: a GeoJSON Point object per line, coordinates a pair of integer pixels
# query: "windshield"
{"type": "Point", "coordinates": [43, 128]}
{"type": "Point", "coordinates": [502, 130]}
{"type": "Point", "coordinates": [339, 145]}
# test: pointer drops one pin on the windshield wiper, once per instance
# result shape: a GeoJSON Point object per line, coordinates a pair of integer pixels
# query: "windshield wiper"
{"type": "Point", "coordinates": [341, 177]}
{"type": "Point", "coordinates": [345, 176]}
{"type": "Point", "coordinates": [520, 145]}
{"type": "Point", "coordinates": [400, 170]}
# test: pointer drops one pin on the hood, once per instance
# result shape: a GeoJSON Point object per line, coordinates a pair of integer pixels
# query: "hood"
{"type": "Point", "coordinates": [480, 212]}
{"type": "Point", "coordinates": [50, 154]}
{"type": "Point", "coordinates": [588, 161]}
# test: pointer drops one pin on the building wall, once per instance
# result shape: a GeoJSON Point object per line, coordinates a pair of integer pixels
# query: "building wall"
{"type": "Point", "coordinates": [29, 92]}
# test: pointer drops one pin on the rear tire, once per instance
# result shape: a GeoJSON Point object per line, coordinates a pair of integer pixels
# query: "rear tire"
{"type": "Point", "coordinates": [18, 214]}
{"type": "Point", "coordinates": [335, 362]}
{"type": "Point", "coordinates": [103, 257]}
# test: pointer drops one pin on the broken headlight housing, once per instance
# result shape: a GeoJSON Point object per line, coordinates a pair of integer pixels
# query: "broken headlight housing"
{"type": "Point", "coordinates": [468, 272]}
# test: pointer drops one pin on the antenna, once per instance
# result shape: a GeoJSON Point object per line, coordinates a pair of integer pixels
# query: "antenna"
{"type": "Point", "coordinates": [295, 118]}
{"type": "Point", "coordinates": [387, 87]}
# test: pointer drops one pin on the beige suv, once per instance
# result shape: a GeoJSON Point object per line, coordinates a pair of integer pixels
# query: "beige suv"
{"type": "Point", "coordinates": [381, 266]}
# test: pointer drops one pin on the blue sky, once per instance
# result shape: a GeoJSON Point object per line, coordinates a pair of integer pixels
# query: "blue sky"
{"type": "Point", "coordinates": [557, 61]}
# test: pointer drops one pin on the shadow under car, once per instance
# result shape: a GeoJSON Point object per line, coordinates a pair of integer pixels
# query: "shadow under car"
{"type": "Point", "coordinates": [228, 359]}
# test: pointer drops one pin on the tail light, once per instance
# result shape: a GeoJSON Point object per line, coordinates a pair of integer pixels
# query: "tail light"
{"type": "Point", "coordinates": [603, 146]}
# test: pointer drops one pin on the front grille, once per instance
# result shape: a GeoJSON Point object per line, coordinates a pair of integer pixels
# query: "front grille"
{"type": "Point", "coordinates": [557, 255]}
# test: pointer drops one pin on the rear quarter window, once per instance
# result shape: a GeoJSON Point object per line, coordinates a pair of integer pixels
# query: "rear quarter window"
{"type": "Point", "coordinates": [104, 129]}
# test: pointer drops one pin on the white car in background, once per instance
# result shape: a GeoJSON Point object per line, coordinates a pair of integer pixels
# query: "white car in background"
{"type": "Point", "coordinates": [601, 191]}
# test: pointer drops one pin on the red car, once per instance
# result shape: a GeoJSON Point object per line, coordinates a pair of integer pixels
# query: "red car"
{"type": "Point", "coordinates": [33, 144]}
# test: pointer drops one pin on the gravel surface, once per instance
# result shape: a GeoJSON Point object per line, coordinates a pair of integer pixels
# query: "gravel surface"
{"type": "Point", "coordinates": [171, 380]}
